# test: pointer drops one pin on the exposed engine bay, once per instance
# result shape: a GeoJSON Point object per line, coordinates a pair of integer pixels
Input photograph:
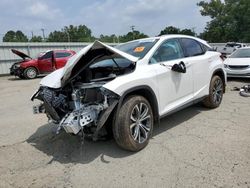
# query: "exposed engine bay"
{"type": "Point", "coordinates": [82, 104]}
{"type": "Point", "coordinates": [85, 109]}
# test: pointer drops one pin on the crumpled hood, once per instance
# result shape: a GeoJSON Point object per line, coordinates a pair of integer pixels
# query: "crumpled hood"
{"type": "Point", "coordinates": [20, 54]}
{"type": "Point", "coordinates": [60, 77]}
{"type": "Point", "coordinates": [237, 61]}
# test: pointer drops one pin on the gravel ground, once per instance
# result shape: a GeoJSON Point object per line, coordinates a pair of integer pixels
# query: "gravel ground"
{"type": "Point", "coordinates": [195, 147]}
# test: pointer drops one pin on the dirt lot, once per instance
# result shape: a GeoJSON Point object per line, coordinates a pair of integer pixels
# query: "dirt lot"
{"type": "Point", "coordinates": [195, 147]}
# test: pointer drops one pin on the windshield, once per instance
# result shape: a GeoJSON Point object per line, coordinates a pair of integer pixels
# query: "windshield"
{"type": "Point", "coordinates": [138, 48]}
{"type": "Point", "coordinates": [241, 53]}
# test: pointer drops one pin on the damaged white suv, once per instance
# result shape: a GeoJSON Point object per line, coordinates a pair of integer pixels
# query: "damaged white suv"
{"type": "Point", "coordinates": [126, 89]}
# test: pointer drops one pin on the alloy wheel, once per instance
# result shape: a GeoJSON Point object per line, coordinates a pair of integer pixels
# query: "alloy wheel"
{"type": "Point", "coordinates": [141, 122]}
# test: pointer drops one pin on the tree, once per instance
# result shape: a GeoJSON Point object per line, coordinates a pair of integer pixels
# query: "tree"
{"type": "Point", "coordinates": [110, 39]}
{"type": "Point", "coordinates": [36, 39]}
{"type": "Point", "coordinates": [71, 33]}
{"type": "Point", "coordinates": [57, 36]}
{"type": "Point", "coordinates": [175, 30]}
{"type": "Point", "coordinates": [12, 36]}
{"type": "Point", "coordinates": [9, 36]}
{"type": "Point", "coordinates": [229, 20]}
{"type": "Point", "coordinates": [188, 32]}
{"type": "Point", "coordinates": [170, 30]}
{"type": "Point", "coordinates": [132, 35]}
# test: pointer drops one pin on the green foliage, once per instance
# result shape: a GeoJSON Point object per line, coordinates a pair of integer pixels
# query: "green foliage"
{"type": "Point", "coordinates": [109, 39]}
{"type": "Point", "coordinates": [175, 30]}
{"type": "Point", "coordinates": [71, 33]}
{"type": "Point", "coordinates": [132, 36]}
{"type": "Point", "coordinates": [230, 20]}
{"type": "Point", "coordinates": [12, 36]}
{"type": "Point", "coordinates": [36, 39]}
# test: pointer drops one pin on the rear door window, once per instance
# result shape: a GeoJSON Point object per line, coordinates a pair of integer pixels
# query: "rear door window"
{"type": "Point", "coordinates": [191, 47]}
{"type": "Point", "coordinates": [47, 55]}
{"type": "Point", "coordinates": [62, 54]}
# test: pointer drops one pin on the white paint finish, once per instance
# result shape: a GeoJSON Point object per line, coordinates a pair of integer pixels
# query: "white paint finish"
{"type": "Point", "coordinates": [53, 80]}
{"type": "Point", "coordinates": [237, 62]}
{"type": "Point", "coordinates": [172, 89]}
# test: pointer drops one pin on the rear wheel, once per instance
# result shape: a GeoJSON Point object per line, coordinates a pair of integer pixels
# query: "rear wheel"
{"type": "Point", "coordinates": [30, 73]}
{"type": "Point", "coordinates": [215, 96]}
{"type": "Point", "coordinates": [133, 126]}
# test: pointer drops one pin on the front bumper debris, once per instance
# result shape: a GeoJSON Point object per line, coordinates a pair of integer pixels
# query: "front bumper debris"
{"type": "Point", "coordinates": [16, 71]}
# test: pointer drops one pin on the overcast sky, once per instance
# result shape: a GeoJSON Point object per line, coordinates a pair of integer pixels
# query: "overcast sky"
{"type": "Point", "coordinates": [101, 16]}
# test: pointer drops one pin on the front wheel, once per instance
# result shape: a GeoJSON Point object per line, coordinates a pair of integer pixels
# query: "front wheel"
{"type": "Point", "coordinates": [133, 126]}
{"type": "Point", "coordinates": [213, 100]}
{"type": "Point", "coordinates": [30, 73]}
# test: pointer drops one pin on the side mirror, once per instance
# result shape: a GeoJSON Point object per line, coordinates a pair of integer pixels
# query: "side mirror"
{"type": "Point", "coordinates": [179, 67]}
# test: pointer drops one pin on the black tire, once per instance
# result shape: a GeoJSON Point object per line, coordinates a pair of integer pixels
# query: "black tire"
{"type": "Point", "coordinates": [30, 73]}
{"type": "Point", "coordinates": [21, 77]}
{"type": "Point", "coordinates": [133, 126]}
{"type": "Point", "coordinates": [244, 94]}
{"type": "Point", "coordinates": [216, 88]}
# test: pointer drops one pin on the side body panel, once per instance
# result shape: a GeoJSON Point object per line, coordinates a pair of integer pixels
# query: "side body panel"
{"type": "Point", "coordinates": [175, 89]}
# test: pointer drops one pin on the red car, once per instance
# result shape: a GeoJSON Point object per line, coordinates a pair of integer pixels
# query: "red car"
{"type": "Point", "coordinates": [45, 63]}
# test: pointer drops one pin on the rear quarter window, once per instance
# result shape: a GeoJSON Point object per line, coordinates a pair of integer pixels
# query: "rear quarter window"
{"type": "Point", "coordinates": [62, 54]}
{"type": "Point", "coordinates": [192, 47]}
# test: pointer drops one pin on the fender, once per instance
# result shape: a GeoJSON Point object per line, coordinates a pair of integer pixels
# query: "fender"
{"type": "Point", "coordinates": [149, 95]}
{"type": "Point", "coordinates": [220, 72]}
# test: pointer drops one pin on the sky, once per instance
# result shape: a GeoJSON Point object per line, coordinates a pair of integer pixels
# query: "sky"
{"type": "Point", "coordinates": [101, 16]}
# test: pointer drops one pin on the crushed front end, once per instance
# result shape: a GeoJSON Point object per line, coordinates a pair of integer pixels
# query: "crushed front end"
{"type": "Point", "coordinates": [82, 108]}
{"type": "Point", "coordinates": [75, 97]}
{"type": "Point", "coordinates": [16, 70]}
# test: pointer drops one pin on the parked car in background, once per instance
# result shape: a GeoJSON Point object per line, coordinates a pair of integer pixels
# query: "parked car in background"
{"type": "Point", "coordinates": [238, 63]}
{"type": "Point", "coordinates": [45, 63]}
{"type": "Point", "coordinates": [230, 47]}
{"type": "Point", "coordinates": [128, 88]}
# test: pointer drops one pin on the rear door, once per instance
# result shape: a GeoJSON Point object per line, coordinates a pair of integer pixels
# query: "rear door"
{"type": "Point", "coordinates": [175, 88]}
{"type": "Point", "coordinates": [45, 63]}
{"type": "Point", "coordinates": [196, 55]}
{"type": "Point", "coordinates": [61, 58]}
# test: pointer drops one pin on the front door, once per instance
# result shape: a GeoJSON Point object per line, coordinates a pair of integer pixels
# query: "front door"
{"type": "Point", "coordinates": [45, 63]}
{"type": "Point", "coordinates": [175, 88]}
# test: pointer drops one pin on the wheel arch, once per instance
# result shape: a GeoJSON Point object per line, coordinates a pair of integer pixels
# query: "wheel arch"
{"type": "Point", "coordinates": [146, 92]}
{"type": "Point", "coordinates": [221, 74]}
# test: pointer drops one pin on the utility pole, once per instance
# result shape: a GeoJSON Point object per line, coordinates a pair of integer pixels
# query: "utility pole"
{"type": "Point", "coordinates": [68, 36]}
{"type": "Point", "coordinates": [43, 34]}
{"type": "Point", "coordinates": [133, 29]}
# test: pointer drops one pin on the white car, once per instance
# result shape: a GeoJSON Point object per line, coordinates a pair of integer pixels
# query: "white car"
{"type": "Point", "coordinates": [238, 64]}
{"type": "Point", "coordinates": [126, 89]}
{"type": "Point", "coordinates": [230, 47]}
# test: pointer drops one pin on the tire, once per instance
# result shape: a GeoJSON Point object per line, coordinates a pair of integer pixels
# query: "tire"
{"type": "Point", "coordinates": [21, 77]}
{"type": "Point", "coordinates": [244, 94]}
{"type": "Point", "coordinates": [213, 100]}
{"type": "Point", "coordinates": [133, 126]}
{"type": "Point", "coordinates": [30, 73]}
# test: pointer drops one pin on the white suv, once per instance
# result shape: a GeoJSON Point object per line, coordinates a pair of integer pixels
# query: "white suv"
{"type": "Point", "coordinates": [126, 89]}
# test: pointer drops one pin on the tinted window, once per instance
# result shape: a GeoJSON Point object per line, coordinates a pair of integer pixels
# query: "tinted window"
{"type": "Point", "coordinates": [62, 54]}
{"type": "Point", "coordinates": [47, 55]}
{"type": "Point", "coordinates": [241, 53]}
{"type": "Point", "coordinates": [169, 50]}
{"type": "Point", "coordinates": [137, 48]}
{"type": "Point", "coordinates": [121, 62]}
{"type": "Point", "coordinates": [191, 47]}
